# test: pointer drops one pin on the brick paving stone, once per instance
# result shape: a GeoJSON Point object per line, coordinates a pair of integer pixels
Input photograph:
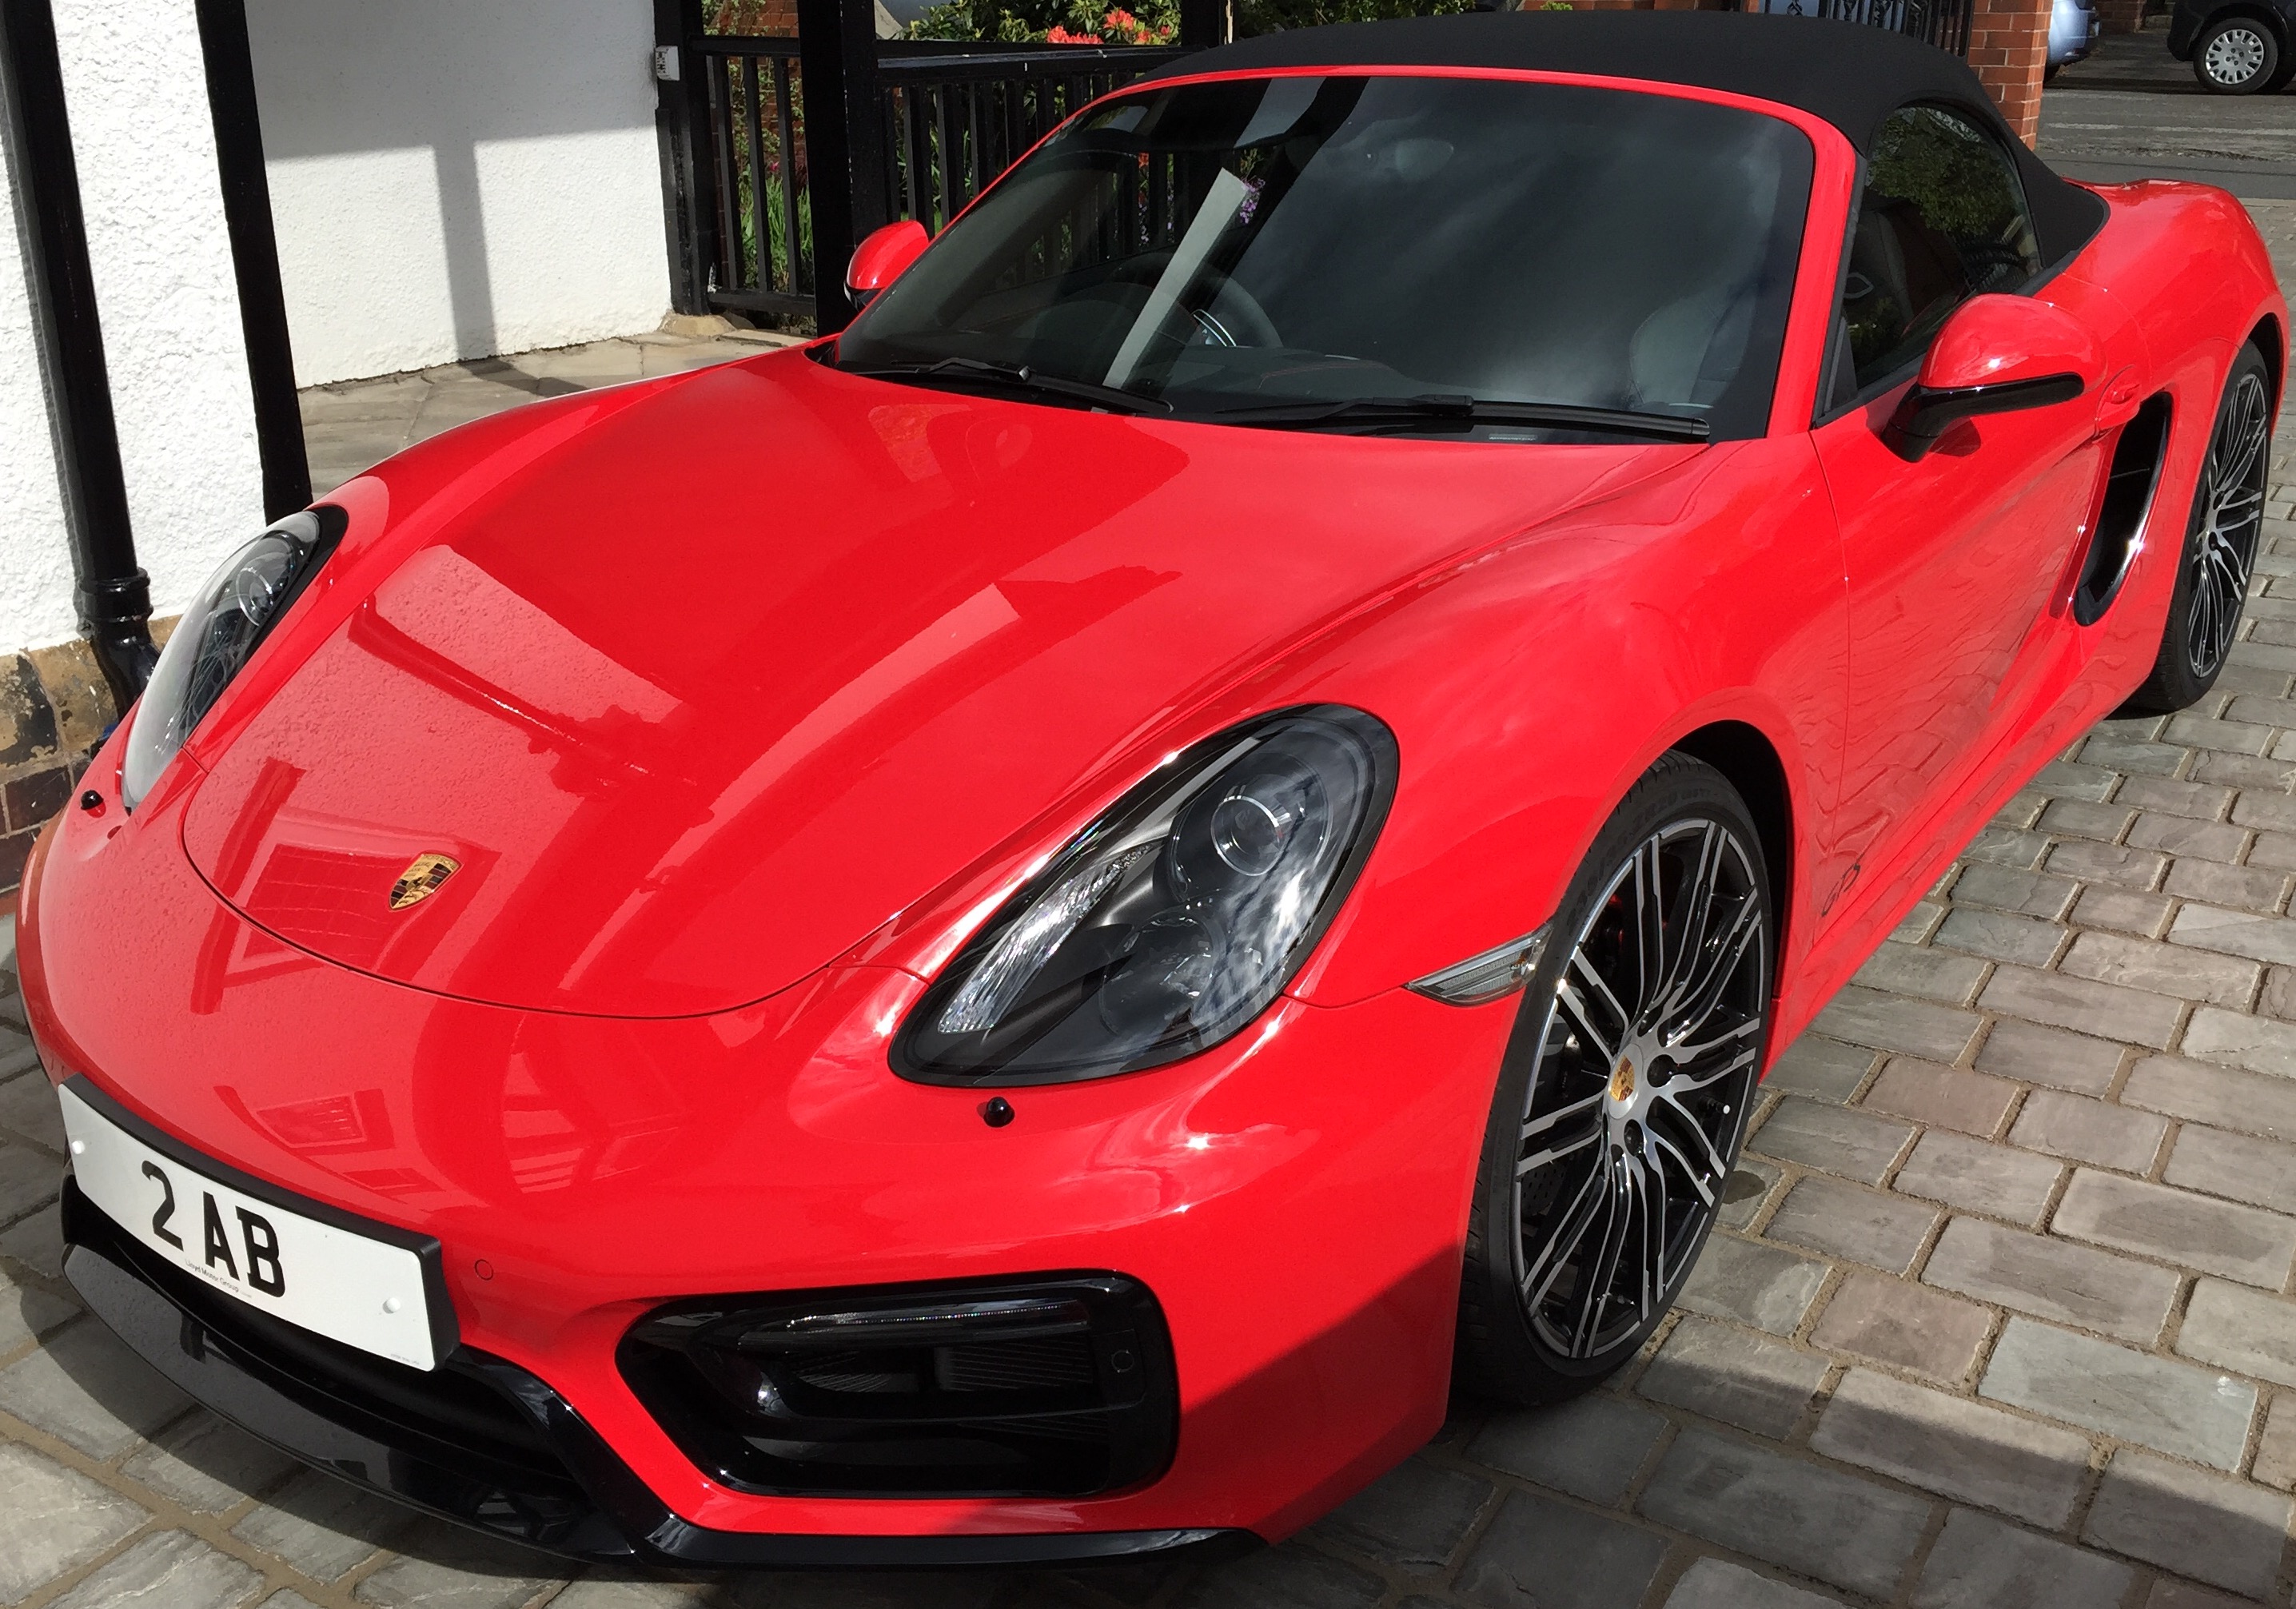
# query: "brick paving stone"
{"type": "Point", "coordinates": [1766, 1287]}
{"type": "Point", "coordinates": [2208, 1094]}
{"type": "Point", "coordinates": [2023, 892]}
{"type": "Point", "coordinates": [1745, 1192]}
{"type": "Point", "coordinates": [2169, 1594]}
{"type": "Point", "coordinates": [1834, 1139]}
{"type": "Point", "coordinates": [2278, 997]}
{"type": "Point", "coordinates": [2085, 819]}
{"type": "Point", "coordinates": [1812, 1519]}
{"type": "Point", "coordinates": [2089, 1130]}
{"type": "Point", "coordinates": [1728, 1374]}
{"type": "Point", "coordinates": [447, 1567]}
{"type": "Point", "coordinates": [1952, 1446]}
{"type": "Point", "coordinates": [1980, 1178]}
{"type": "Point", "coordinates": [2240, 1166]}
{"type": "Point", "coordinates": [2254, 1042]}
{"type": "Point", "coordinates": [1887, 1022]}
{"type": "Point", "coordinates": [2264, 939]}
{"type": "Point", "coordinates": [2035, 1055]}
{"type": "Point", "coordinates": [1712, 1583]}
{"type": "Point", "coordinates": [1589, 1447]}
{"type": "Point", "coordinates": [2131, 1016]}
{"type": "Point", "coordinates": [2194, 799]}
{"type": "Point", "coordinates": [2181, 835]}
{"type": "Point", "coordinates": [2173, 1407]}
{"type": "Point", "coordinates": [1917, 925]}
{"type": "Point", "coordinates": [27, 1311]}
{"type": "Point", "coordinates": [2266, 810]}
{"type": "Point", "coordinates": [1823, 1069]}
{"type": "Point", "coordinates": [2234, 737]}
{"type": "Point", "coordinates": [1978, 1560]}
{"type": "Point", "coordinates": [2241, 1329]}
{"type": "Point", "coordinates": [28, 1105]}
{"type": "Point", "coordinates": [2122, 754]}
{"type": "Point", "coordinates": [1880, 1230]}
{"type": "Point", "coordinates": [36, 1242]}
{"type": "Point", "coordinates": [2247, 887]}
{"type": "Point", "coordinates": [87, 1390]}
{"type": "Point", "coordinates": [2125, 910]}
{"type": "Point", "coordinates": [2052, 1278]}
{"type": "Point", "coordinates": [321, 1526]}
{"type": "Point", "coordinates": [2069, 780]}
{"type": "Point", "coordinates": [29, 1179]}
{"type": "Point", "coordinates": [169, 1570]}
{"type": "Point", "coordinates": [2275, 1449]}
{"type": "Point", "coordinates": [2005, 845]}
{"type": "Point", "coordinates": [1916, 970]}
{"type": "Point", "coordinates": [2091, 862]}
{"type": "Point", "coordinates": [1539, 1551]}
{"type": "Point", "coordinates": [2274, 849]}
{"type": "Point", "coordinates": [2223, 980]}
{"type": "Point", "coordinates": [1974, 1103]}
{"type": "Point", "coordinates": [1997, 935]}
{"type": "Point", "coordinates": [205, 1463]}
{"type": "Point", "coordinates": [57, 1520]}
{"type": "Point", "coordinates": [1910, 1326]}
{"type": "Point", "coordinates": [2241, 1243]}
{"type": "Point", "coordinates": [2223, 1531]}
{"type": "Point", "coordinates": [1413, 1517]}
{"type": "Point", "coordinates": [2243, 771]}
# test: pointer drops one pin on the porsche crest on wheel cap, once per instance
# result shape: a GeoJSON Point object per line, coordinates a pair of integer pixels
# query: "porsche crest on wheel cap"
{"type": "Point", "coordinates": [422, 878]}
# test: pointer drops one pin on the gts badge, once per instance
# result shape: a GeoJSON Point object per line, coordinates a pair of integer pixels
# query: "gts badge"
{"type": "Point", "coordinates": [424, 876]}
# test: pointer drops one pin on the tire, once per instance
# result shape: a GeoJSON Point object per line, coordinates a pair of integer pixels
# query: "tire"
{"type": "Point", "coordinates": [2049, 73]}
{"type": "Point", "coordinates": [2235, 56]}
{"type": "Point", "coordinates": [1586, 1085]}
{"type": "Point", "coordinates": [2220, 542]}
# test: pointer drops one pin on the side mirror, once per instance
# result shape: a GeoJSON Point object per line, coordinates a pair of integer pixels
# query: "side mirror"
{"type": "Point", "coordinates": [881, 258]}
{"type": "Point", "coordinates": [1995, 355]}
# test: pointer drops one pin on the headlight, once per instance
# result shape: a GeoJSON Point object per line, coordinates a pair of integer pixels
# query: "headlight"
{"type": "Point", "coordinates": [212, 640]}
{"type": "Point", "coordinates": [1174, 919]}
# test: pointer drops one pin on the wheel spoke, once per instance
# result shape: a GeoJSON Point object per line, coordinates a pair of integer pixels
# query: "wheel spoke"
{"type": "Point", "coordinates": [1691, 1081]}
{"type": "Point", "coordinates": [1722, 964]}
{"type": "Point", "coordinates": [1650, 932]}
{"type": "Point", "coordinates": [1705, 1193]}
{"type": "Point", "coordinates": [1688, 1055]}
{"type": "Point", "coordinates": [1574, 1004]}
{"type": "Point", "coordinates": [1586, 1207]}
{"type": "Point", "coordinates": [1701, 1159]}
{"type": "Point", "coordinates": [1603, 1272]}
{"type": "Point", "coordinates": [1584, 970]}
{"type": "Point", "coordinates": [1697, 908]}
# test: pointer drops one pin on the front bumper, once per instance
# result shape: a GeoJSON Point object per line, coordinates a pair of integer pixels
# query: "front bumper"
{"type": "Point", "coordinates": [484, 1442]}
{"type": "Point", "coordinates": [1295, 1200]}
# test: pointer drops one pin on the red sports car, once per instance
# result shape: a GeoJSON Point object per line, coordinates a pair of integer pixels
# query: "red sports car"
{"type": "Point", "coordinates": [1017, 936]}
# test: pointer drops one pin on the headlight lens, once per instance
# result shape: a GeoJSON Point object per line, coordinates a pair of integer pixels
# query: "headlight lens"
{"type": "Point", "coordinates": [1174, 919]}
{"type": "Point", "coordinates": [212, 640]}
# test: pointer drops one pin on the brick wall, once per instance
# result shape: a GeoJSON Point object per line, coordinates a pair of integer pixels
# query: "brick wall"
{"type": "Point", "coordinates": [2120, 16]}
{"type": "Point", "coordinates": [2009, 45]}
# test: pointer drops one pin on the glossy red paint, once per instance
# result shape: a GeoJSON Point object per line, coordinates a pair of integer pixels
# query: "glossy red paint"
{"type": "Point", "coordinates": [1993, 340]}
{"type": "Point", "coordinates": [734, 763]}
{"type": "Point", "coordinates": [882, 255]}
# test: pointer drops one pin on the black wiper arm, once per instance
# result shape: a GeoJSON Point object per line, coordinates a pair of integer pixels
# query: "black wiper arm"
{"type": "Point", "coordinates": [1018, 377]}
{"type": "Point", "coordinates": [1434, 407]}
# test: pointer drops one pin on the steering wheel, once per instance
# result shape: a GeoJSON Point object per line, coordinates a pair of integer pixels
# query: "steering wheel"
{"type": "Point", "coordinates": [1234, 318]}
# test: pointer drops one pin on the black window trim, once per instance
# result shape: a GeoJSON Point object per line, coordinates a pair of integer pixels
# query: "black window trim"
{"type": "Point", "coordinates": [1820, 415]}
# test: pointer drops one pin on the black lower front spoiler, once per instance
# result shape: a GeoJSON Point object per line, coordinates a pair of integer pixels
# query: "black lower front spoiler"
{"type": "Point", "coordinates": [527, 1466]}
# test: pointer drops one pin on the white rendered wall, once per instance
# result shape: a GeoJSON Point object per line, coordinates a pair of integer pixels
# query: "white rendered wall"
{"type": "Point", "coordinates": [34, 566]}
{"type": "Point", "coordinates": [455, 178]}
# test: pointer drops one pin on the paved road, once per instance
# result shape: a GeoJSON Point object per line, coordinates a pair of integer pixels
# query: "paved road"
{"type": "Point", "coordinates": [2133, 112]}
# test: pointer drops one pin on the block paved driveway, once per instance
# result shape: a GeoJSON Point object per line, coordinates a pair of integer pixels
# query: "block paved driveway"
{"type": "Point", "coordinates": [2001, 1316]}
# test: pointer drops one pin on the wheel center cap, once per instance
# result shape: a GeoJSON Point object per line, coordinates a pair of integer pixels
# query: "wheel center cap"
{"type": "Point", "coordinates": [1622, 1081]}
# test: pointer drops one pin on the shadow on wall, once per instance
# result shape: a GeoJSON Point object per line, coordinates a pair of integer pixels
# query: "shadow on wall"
{"type": "Point", "coordinates": [451, 180]}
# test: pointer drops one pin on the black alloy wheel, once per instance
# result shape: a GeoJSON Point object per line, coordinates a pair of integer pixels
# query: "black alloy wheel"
{"type": "Point", "coordinates": [2236, 56]}
{"type": "Point", "coordinates": [1623, 1098]}
{"type": "Point", "coordinates": [2220, 545]}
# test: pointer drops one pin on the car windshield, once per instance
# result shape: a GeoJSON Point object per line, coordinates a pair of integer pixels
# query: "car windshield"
{"type": "Point", "coordinates": [1382, 253]}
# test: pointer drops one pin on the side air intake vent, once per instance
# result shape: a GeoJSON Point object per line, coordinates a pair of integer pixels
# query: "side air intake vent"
{"type": "Point", "coordinates": [1054, 1385]}
{"type": "Point", "coordinates": [2120, 520]}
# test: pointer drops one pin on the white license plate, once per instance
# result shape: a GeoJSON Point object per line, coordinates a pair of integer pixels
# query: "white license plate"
{"type": "Point", "coordinates": [348, 1287]}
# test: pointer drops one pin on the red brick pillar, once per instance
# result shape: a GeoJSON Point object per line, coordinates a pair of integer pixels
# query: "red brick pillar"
{"type": "Point", "coordinates": [2120, 16]}
{"type": "Point", "coordinates": [2009, 45]}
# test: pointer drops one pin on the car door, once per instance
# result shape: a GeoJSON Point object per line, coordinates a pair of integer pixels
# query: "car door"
{"type": "Point", "coordinates": [1952, 559]}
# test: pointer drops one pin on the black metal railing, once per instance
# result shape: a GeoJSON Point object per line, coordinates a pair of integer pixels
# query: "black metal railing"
{"type": "Point", "coordinates": [1944, 23]}
{"type": "Point", "coordinates": [953, 116]}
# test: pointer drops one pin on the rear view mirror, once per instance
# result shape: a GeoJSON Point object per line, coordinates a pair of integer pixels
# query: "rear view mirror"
{"type": "Point", "coordinates": [881, 257]}
{"type": "Point", "coordinates": [1995, 355]}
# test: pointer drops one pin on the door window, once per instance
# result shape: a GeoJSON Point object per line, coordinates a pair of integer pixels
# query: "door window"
{"type": "Point", "coordinates": [1942, 218]}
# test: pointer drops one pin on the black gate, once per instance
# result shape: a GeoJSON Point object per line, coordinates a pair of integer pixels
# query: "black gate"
{"type": "Point", "coordinates": [1944, 23]}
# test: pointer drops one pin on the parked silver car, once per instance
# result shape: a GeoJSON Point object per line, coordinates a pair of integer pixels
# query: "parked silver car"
{"type": "Point", "coordinates": [2072, 32]}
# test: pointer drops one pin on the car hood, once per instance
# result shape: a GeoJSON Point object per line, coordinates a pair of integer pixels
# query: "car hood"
{"type": "Point", "coordinates": [703, 694]}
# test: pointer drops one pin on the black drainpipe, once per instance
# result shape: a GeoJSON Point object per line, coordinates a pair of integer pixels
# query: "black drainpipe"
{"type": "Point", "coordinates": [113, 592]}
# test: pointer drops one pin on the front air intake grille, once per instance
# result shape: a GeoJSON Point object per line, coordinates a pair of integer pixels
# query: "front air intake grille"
{"type": "Point", "coordinates": [1053, 1386]}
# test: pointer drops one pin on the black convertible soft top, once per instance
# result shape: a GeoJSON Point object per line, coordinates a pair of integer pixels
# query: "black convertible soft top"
{"type": "Point", "coordinates": [1849, 74]}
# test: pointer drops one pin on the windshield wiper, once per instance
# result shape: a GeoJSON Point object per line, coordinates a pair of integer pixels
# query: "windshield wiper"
{"type": "Point", "coordinates": [1017, 376]}
{"type": "Point", "coordinates": [1438, 407]}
